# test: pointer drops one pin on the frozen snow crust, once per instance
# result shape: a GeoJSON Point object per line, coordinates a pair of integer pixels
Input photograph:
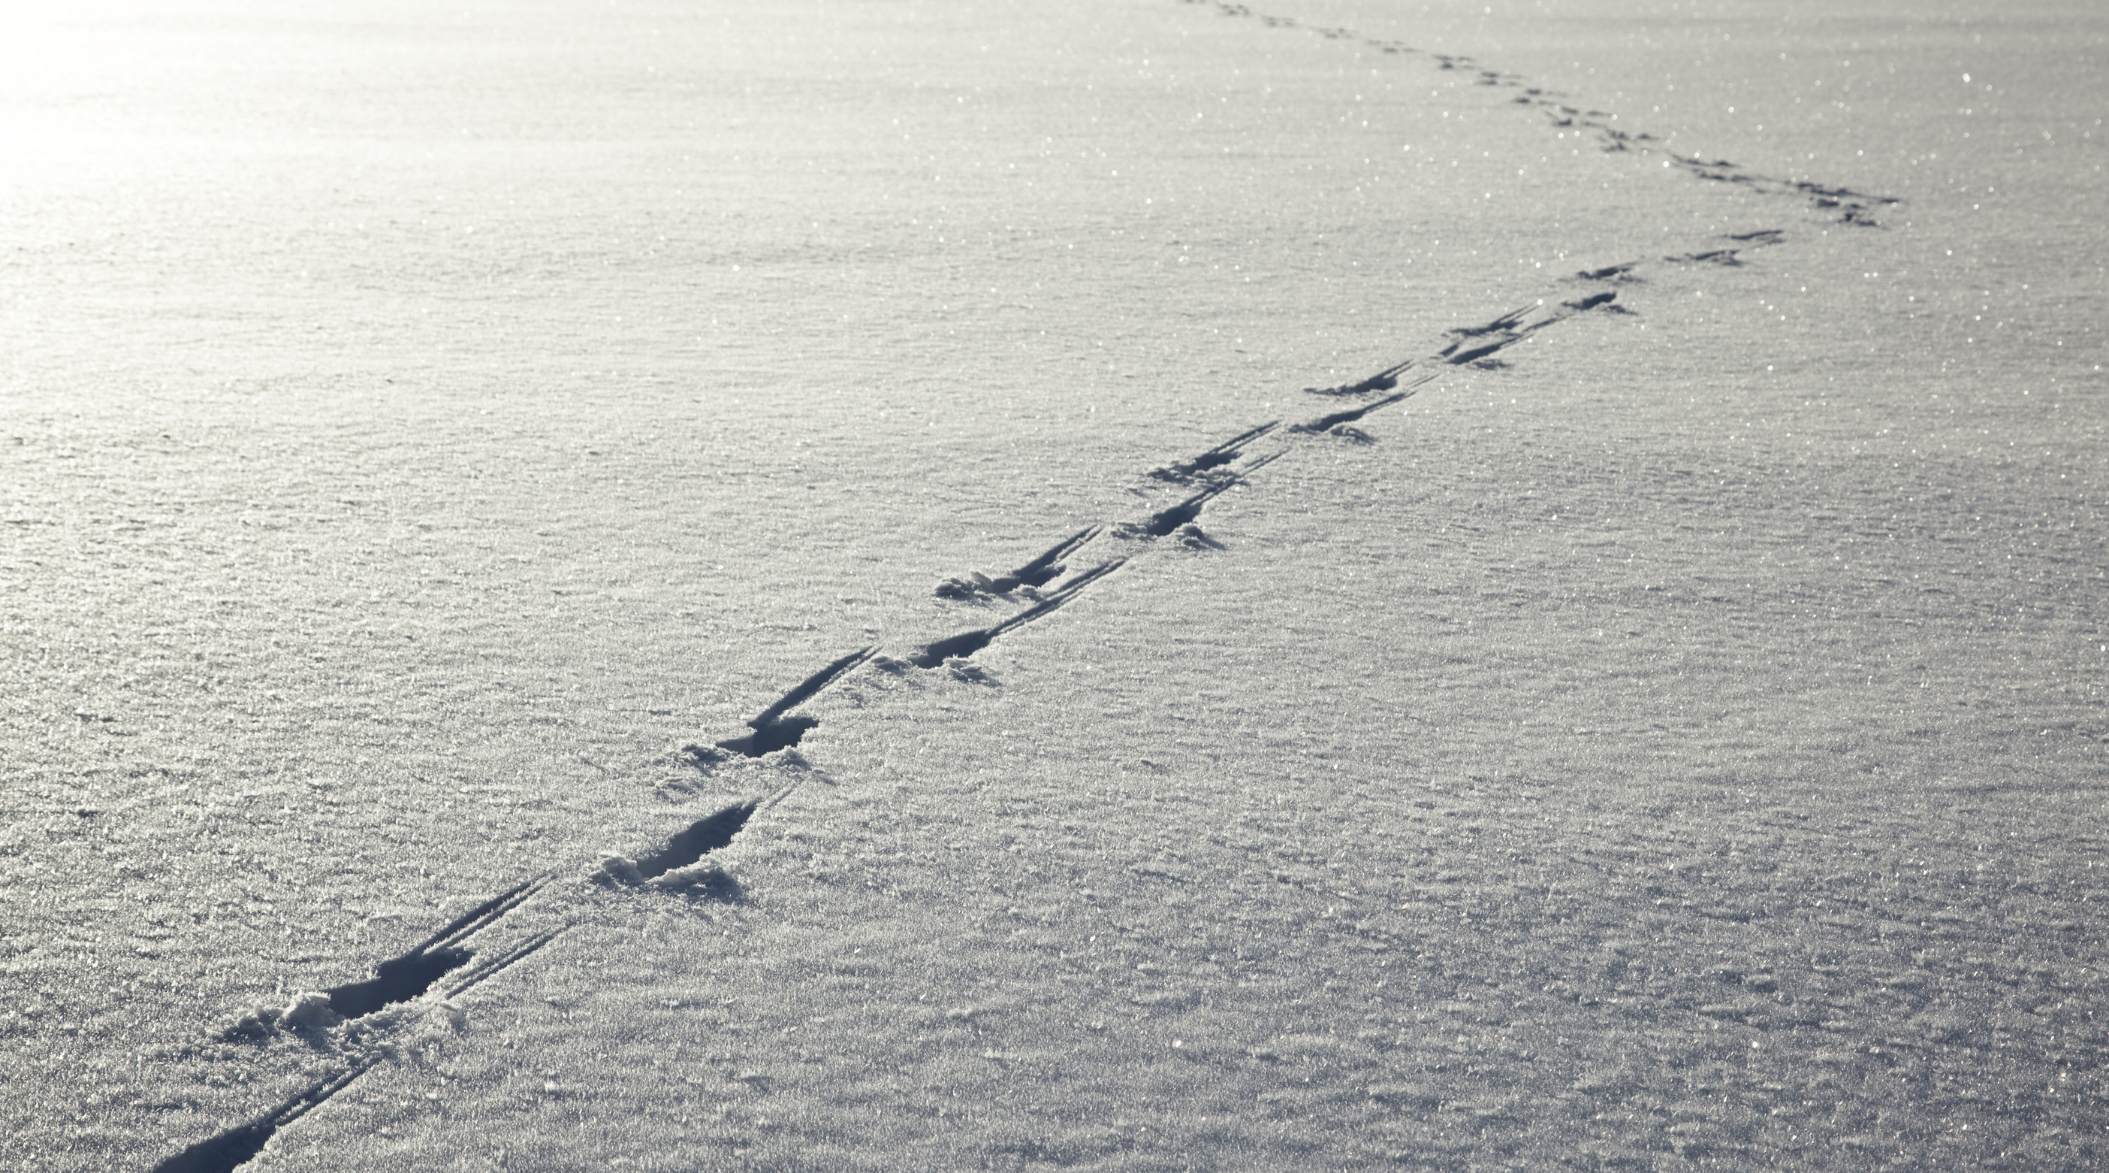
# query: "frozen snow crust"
{"type": "Point", "coordinates": [499, 675]}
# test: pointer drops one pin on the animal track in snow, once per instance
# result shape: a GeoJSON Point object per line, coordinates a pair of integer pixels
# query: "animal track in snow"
{"type": "Point", "coordinates": [1216, 457]}
{"type": "Point", "coordinates": [1327, 423]}
{"type": "Point", "coordinates": [966, 643]}
{"type": "Point", "coordinates": [1844, 204]}
{"type": "Point", "coordinates": [444, 962]}
{"type": "Point", "coordinates": [408, 976]}
{"type": "Point", "coordinates": [1762, 238]}
{"type": "Point", "coordinates": [702, 837]}
{"type": "Point", "coordinates": [1383, 380]}
{"type": "Point", "coordinates": [773, 728]}
{"type": "Point", "coordinates": [1036, 573]}
{"type": "Point", "coordinates": [676, 864]}
{"type": "Point", "coordinates": [234, 1147]}
{"type": "Point", "coordinates": [1163, 522]}
{"type": "Point", "coordinates": [402, 978]}
{"type": "Point", "coordinates": [1467, 345]}
{"type": "Point", "coordinates": [226, 1151]}
{"type": "Point", "coordinates": [1591, 302]}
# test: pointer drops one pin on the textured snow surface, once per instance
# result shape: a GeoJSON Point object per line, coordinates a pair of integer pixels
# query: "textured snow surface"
{"type": "Point", "coordinates": [1112, 585]}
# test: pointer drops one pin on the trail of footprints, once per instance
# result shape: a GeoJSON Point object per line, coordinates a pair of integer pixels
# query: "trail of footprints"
{"type": "Point", "coordinates": [1843, 204]}
{"type": "Point", "coordinates": [456, 957]}
{"type": "Point", "coordinates": [453, 960]}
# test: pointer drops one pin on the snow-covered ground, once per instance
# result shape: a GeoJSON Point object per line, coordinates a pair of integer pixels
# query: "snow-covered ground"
{"type": "Point", "coordinates": [1665, 728]}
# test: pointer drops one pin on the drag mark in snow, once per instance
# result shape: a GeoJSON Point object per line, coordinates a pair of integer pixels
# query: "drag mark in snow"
{"type": "Point", "coordinates": [1036, 573]}
{"type": "Point", "coordinates": [966, 643]}
{"type": "Point", "coordinates": [1844, 204]}
{"type": "Point", "coordinates": [492, 967]}
{"type": "Point", "coordinates": [678, 865]}
{"type": "Point", "coordinates": [1216, 457]}
{"type": "Point", "coordinates": [235, 1147]}
{"type": "Point", "coordinates": [408, 976]}
{"type": "Point", "coordinates": [773, 729]}
{"type": "Point", "coordinates": [1476, 344]}
{"type": "Point", "coordinates": [1327, 423]}
{"type": "Point", "coordinates": [1763, 238]}
{"type": "Point", "coordinates": [702, 837]}
{"type": "Point", "coordinates": [1466, 345]}
{"type": "Point", "coordinates": [1383, 380]}
{"type": "Point", "coordinates": [1161, 523]}
{"type": "Point", "coordinates": [403, 978]}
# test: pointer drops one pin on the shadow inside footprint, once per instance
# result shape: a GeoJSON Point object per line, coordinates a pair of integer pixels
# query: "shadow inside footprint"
{"type": "Point", "coordinates": [702, 837]}
{"type": "Point", "coordinates": [397, 980]}
{"type": "Point", "coordinates": [782, 733]}
{"type": "Point", "coordinates": [222, 1153]}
